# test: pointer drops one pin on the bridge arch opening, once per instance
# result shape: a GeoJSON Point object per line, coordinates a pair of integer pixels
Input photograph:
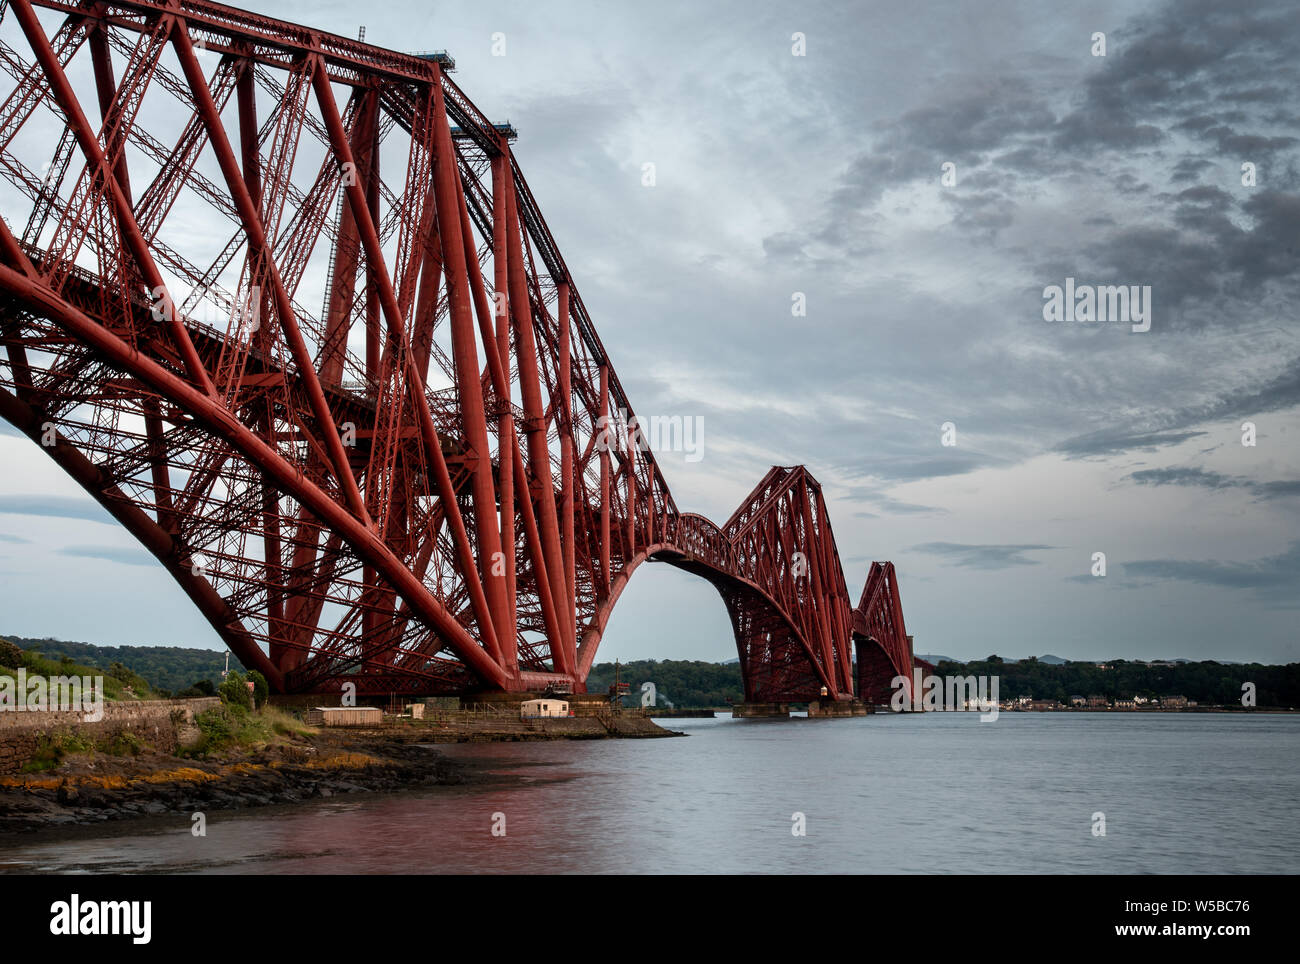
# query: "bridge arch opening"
{"type": "Point", "coordinates": [665, 613]}
{"type": "Point", "coordinates": [777, 662]}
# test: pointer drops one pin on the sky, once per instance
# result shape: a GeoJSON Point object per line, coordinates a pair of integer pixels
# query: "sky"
{"type": "Point", "coordinates": [919, 173]}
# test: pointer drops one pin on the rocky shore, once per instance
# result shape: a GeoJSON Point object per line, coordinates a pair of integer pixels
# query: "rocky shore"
{"type": "Point", "coordinates": [95, 787]}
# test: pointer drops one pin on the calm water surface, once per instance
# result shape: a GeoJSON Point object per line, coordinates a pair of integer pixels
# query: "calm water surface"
{"type": "Point", "coordinates": [933, 793]}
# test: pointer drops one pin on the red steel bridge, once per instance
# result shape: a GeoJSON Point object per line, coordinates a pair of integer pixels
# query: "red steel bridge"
{"type": "Point", "coordinates": [283, 303]}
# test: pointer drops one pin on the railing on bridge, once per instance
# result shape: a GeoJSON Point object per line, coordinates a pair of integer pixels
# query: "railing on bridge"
{"type": "Point", "coordinates": [700, 537]}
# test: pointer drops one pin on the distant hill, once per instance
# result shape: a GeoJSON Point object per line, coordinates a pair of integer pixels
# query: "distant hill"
{"type": "Point", "coordinates": [1207, 682]}
{"type": "Point", "coordinates": [936, 659]}
{"type": "Point", "coordinates": [169, 668]}
{"type": "Point", "coordinates": [1048, 659]}
{"type": "Point", "coordinates": [1052, 660]}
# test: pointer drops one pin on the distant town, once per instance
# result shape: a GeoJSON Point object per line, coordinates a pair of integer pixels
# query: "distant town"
{"type": "Point", "coordinates": [1096, 703]}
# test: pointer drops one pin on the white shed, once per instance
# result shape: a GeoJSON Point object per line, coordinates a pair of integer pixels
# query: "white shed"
{"type": "Point", "coordinates": [543, 707]}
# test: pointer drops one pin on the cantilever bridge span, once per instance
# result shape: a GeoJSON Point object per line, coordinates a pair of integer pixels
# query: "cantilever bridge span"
{"type": "Point", "coordinates": [283, 303]}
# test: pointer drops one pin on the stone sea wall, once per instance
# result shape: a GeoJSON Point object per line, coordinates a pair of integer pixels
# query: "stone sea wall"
{"type": "Point", "coordinates": [163, 724]}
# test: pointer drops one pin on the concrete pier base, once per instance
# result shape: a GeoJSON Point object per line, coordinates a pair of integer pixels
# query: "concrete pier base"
{"type": "Point", "coordinates": [830, 708]}
{"type": "Point", "coordinates": [757, 710]}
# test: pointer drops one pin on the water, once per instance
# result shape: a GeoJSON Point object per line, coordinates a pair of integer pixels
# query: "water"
{"type": "Point", "coordinates": [933, 793]}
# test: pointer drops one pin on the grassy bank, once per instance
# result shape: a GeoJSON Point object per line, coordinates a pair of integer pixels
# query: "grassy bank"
{"type": "Point", "coordinates": [233, 727]}
{"type": "Point", "coordinates": [120, 683]}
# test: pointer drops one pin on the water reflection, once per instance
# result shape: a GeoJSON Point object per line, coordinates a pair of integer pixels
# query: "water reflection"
{"type": "Point", "coordinates": [938, 793]}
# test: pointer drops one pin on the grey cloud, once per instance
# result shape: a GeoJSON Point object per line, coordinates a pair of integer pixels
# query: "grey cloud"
{"type": "Point", "coordinates": [785, 246]}
{"type": "Point", "coordinates": [913, 465]}
{"type": "Point", "coordinates": [54, 506]}
{"type": "Point", "coordinates": [1190, 168]}
{"type": "Point", "coordinates": [961, 129]}
{"type": "Point", "coordinates": [1274, 576]}
{"type": "Point", "coordinates": [982, 556]}
{"type": "Point", "coordinates": [1206, 194]}
{"type": "Point", "coordinates": [129, 556]}
{"type": "Point", "coordinates": [1191, 476]}
{"type": "Point", "coordinates": [1283, 391]}
{"type": "Point", "coordinates": [1280, 392]}
{"type": "Point", "coordinates": [1113, 442]}
{"type": "Point", "coordinates": [1198, 123]}
{"type": "Point", "coordinates": [1229, 141]}
{"type": "Point", "coordinates": [895, 507]}
{"type": "Point", "coordinates": [1109, 129]}
{"type": "Point", "coordinates": [888, 505]}
{"type": "Point", "coordinates": [1184, 59]}
{"type": "Point", "coordinates": [1183, 476]}
{"type": "Point", "coordinates": [1271, 490]}
{"type": "Point", "coordinates": [1217, 258]}
{"type": "Point", "coordinates": [985, 213]}
{"type": "Point", "coordinates": [1174, 69]}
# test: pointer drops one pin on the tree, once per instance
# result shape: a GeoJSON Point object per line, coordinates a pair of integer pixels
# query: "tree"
{"type": "Point", "coordinates": [10, 655]}
{"type": "Point", "coordinates": [260, 688]}
{"type": "Point", "coordinates": [120, 672]}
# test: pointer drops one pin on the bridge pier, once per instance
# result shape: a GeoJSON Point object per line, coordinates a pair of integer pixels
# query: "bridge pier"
{"type": "Point", "coordinates": [831, 708]}
{"type": "Point", "coordinates": [747, 711]}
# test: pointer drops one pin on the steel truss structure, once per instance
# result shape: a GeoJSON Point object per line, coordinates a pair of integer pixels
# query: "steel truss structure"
{"type": "Point", "coordinates": [412, 489]}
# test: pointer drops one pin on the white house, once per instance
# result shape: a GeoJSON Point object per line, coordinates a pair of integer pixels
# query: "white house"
{"type": "Point", "coordinates": [546, 707]}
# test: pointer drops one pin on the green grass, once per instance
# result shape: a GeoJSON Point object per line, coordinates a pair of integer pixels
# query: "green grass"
{"type": "Point", "coordinates": [285, 724]}
{"type": "Point", "coordinates": [52, 748]}
{"type": "Point", "coordinates": [231, 726]}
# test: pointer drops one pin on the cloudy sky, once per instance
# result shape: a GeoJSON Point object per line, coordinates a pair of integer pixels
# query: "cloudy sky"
{"type": "Point", "coordinates": [823, 174]}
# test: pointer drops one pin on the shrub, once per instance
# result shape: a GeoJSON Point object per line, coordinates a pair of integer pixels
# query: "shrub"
{"type": "Point", "coordinates": [233, 725]}
{"type": "Point", "coordinates": [215, 729]}
{"type": "Point", "coordinates": [52, 748]}
{"type": "Point", "coordinates": [234, 691]}
{"type": "Point", "coordinates": [125, 743]}
{"type": "Point", "coordinates": [46, 757]}
{"type": "Point", "coordinates": [201, 687]}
